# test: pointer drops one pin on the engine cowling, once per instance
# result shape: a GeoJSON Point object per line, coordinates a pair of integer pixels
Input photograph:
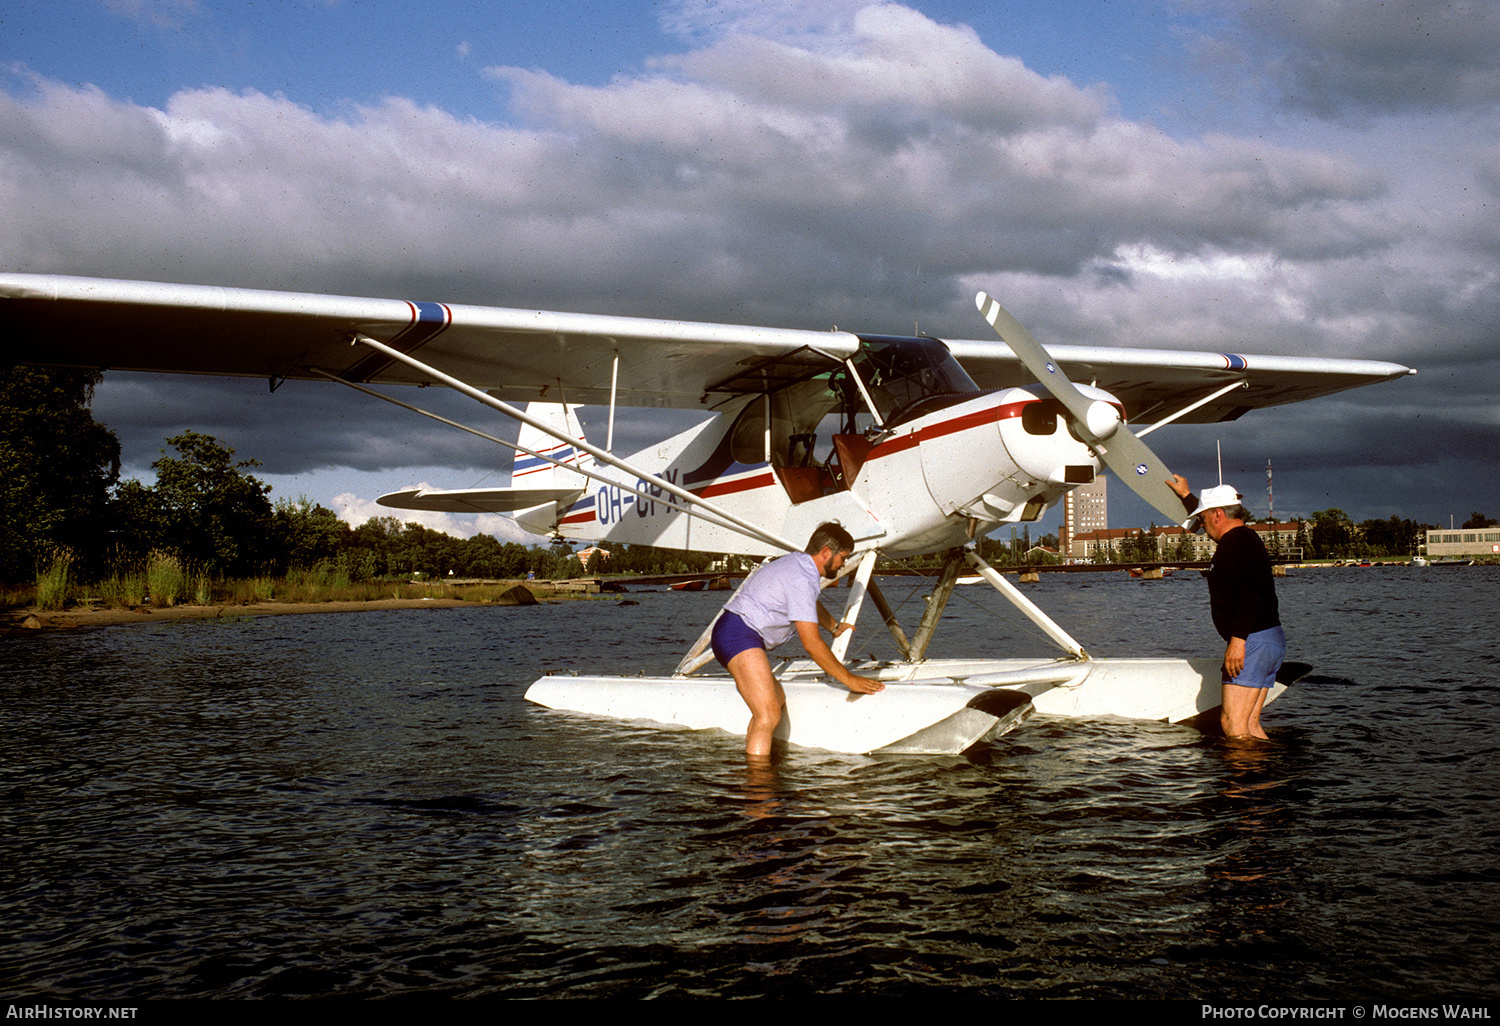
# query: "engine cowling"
{"type": "Point", "coordinates": [1006, 455]}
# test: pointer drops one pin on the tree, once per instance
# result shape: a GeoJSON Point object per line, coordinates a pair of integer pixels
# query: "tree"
{"type": "Point", "coordinates": [1333, 532]}
{"type": "Point", "coordinates": [1477, 519]}
{"type": "Point", "coordinates": [1187, 548]}
{"type": "Point", "coordinates": [1391, 537]}
{"type": "Point", "coordinates": [1141, 546]}
{"type": "Point", "coordinates": [1304, 545]}
{"type": "Point", "coordinates": [57, 465]}
{"type": "Point", "coordinates": [372, 545]}
{"type": "Point", "coordinates": [215, 516]}
{"type": "Point", "coordinates": [307, 534]}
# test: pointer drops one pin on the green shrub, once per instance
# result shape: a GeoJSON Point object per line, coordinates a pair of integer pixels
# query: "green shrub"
{"type": "Point", "coordinates": [54, 578]}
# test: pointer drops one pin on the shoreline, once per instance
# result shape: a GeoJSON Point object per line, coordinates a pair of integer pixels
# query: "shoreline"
{"type": "Point", "coordinates": [25, 619]}
{"type": "Point", "coordinates": [31, 618]}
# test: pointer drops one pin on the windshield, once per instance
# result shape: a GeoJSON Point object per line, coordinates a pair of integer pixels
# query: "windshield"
{"type": "Point", "coordinates": [901, 373]}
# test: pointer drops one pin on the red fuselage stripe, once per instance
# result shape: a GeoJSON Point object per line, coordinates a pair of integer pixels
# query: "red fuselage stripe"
{"type": "Point", "coordinates": [978, 418]}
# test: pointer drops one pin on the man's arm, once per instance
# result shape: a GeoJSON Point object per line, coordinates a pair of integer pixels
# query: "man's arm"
{"type": "Point", "coordinates": [1179, 484]}
{"type": "Point", "coordinates": [807, 633]}
{"type": "Point", "coordinates": [836, 627]}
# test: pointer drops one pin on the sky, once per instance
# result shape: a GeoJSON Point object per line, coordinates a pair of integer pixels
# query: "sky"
{"type": "Point", "coordinates": [1248, 176]}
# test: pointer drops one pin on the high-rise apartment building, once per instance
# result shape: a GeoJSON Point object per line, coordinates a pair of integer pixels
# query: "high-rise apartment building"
{"type": "Point", "coordinates": [1085, 508]}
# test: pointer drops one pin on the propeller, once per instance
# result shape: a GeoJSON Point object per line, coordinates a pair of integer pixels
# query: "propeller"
{"type": "Point", "coordinates": [1097, 422]}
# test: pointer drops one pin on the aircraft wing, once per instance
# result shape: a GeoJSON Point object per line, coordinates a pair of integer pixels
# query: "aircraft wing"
{"type": "Point", "coordinates": [523, 355]}
{"type": "Point", "coordinates": [517, 355]}
{"type": "Point", "coordinates": [1154, 383]}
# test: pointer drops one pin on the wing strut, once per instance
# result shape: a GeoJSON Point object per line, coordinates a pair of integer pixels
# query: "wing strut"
{"type": "Point", "coordinates": [730, 520]}
{"type": "Point", "coordinates": [948, 577]}
{"type": "Point", "coordinates": [1237, 383]}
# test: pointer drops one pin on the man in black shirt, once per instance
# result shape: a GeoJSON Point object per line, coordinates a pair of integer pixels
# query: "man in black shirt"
{"type": "Point", "coordinates": [1242, 599]}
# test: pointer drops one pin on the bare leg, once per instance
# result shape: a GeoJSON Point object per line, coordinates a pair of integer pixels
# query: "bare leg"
{"type": "Point", "coordinates": [1240, 715]}
{"type": "Point", "coordinates": [763, 694]}
{"type": "Point", "coordinates": [1256, 730]}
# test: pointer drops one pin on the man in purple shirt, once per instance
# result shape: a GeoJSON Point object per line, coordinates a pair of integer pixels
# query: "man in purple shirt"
{"type": "Point", "coordinates": [776, 601]}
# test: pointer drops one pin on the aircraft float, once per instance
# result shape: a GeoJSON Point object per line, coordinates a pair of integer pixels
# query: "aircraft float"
{"type": "Point", "coordinates": [915, 445]}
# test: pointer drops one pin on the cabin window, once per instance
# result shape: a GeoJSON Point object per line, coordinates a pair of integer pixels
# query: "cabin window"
{"type": "Point", "coordinates": [904, 375]}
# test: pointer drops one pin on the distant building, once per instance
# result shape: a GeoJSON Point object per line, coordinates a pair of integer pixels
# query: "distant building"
{"type": "Point", "coordinates": [1464, 541]}
{"type": "Point", "coordinates": [1106, 545]}
{"type": "Point", "coordinates": [1085, 509]}
{"type": "Point", "coordinates": [1176, 544]}
{"type": "Point", "coordinates": [589, 553]}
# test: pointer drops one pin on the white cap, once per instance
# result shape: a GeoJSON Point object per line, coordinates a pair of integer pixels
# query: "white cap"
{"type": "Point", "coordinates": [1217, 497]}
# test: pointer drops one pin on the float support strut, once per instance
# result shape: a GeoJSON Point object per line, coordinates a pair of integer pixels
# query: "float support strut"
{"type": "Point", "coordinates": [936, 602]}
{"type": "Point", "coordinates": [889, 616]}
{"type": "Point", "coordinates": [1059, 637]}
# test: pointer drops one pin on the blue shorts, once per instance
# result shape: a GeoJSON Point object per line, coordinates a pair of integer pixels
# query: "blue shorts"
{"type": "Point", "coordinates": [1264, 651]}
{"type": "Point", "coordinates": [732, 636]}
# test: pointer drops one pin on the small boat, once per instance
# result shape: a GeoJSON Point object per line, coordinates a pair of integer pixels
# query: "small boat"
{"type": "Point", "coordinates": [1150, 573]}
{"type": "Point", "coordinates": [698, 585]}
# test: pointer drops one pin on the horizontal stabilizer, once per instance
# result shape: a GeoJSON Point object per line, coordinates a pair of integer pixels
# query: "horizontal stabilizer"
{"type": "Point", "coordinates": [478, 500]}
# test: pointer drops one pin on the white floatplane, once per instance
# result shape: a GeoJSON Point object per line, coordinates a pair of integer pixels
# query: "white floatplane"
{"type": "Point", "coordinates": [915, 445]}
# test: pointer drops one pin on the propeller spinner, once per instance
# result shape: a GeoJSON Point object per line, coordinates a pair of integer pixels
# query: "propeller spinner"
{"type": "Point", "coordinates": [1096, 422]}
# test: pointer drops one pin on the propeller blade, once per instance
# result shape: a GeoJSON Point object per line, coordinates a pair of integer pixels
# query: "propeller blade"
{"type": "Point", "coordinates": [1134, 463]}
{"type": "Point", "coordinates": [1097, 422]}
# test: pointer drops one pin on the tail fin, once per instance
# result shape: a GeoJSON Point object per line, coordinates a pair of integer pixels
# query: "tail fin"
{"type": "Point", "coordinates": [530, 472]}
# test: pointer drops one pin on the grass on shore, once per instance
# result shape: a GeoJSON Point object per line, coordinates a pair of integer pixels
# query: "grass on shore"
{"type": "Point", "coordinates": [162, 580]}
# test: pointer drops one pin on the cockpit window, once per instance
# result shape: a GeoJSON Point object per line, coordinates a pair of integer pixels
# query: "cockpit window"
{"type": "Point", "coordinates": [901, 374]}
{"type": "Point", "coordinates": [792, 426]}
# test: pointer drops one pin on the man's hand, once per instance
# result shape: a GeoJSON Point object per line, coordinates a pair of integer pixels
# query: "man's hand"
{"type": "Point", "coordinates": [1234, 657]}
{"type": "Point", "coordinates": [821, 654]}
{"type": "Point", "coordinates": [863, 685]}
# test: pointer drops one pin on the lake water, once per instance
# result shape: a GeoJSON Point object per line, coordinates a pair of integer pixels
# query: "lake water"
{"type": "Point", "coordinates": [363, 805]}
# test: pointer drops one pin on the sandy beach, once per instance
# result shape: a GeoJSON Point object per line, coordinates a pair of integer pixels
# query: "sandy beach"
{"type": "Point", "coordinates": [33, 619]}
